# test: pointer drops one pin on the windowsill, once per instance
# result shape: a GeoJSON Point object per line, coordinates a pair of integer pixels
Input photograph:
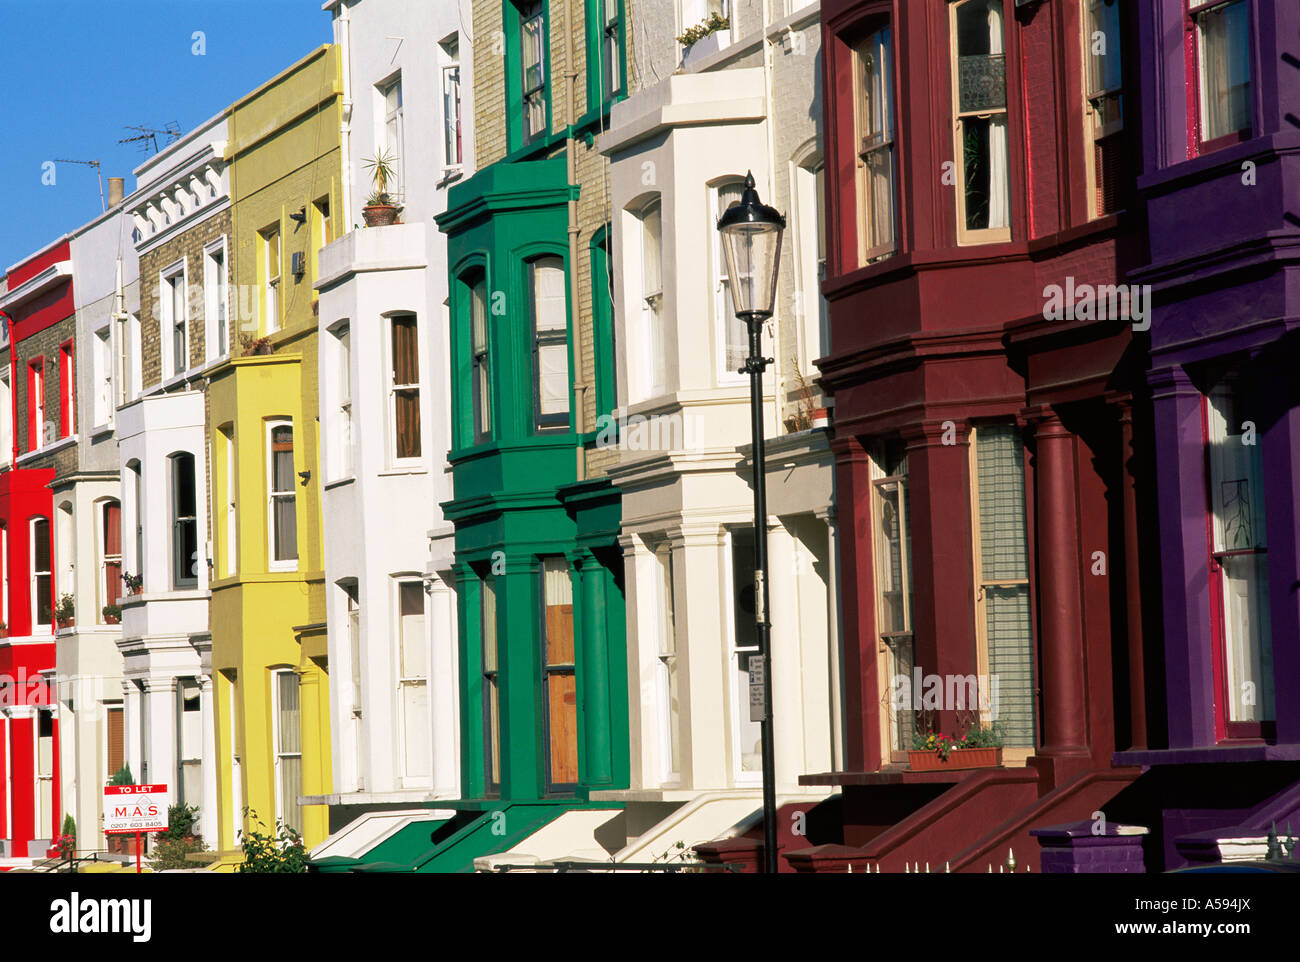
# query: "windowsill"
{"type": "Point", "coordinates": [340, 482]}
{"type": "Point", "coordinates": [99, 430]}
{"type": "Point", "coordinates": [58, 445]}
{"type": "Point", "coordinates": [449, 176]}
{"type": "Point", "coordinates": [399, 470]}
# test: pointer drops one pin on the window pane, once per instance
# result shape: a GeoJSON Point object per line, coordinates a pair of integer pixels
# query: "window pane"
{"type": "Point", "coordinates": [999, 465]}
{"type": "Point", "coordinates": [548, 294]}
{"type": "Point", "coordinates": [1247, 630]}
{"type": "Point", "coordinates": [282, 458]}
{"type": "Point", "coordinates": [288, 725]}
{"type": "Point", "coordinates": [558, 595]}
{"type": "Point", "coordinates": [41, 545]}
{"type": "Point", "coordinates": [415, 727]}
{"type": "Point", "coordinates": [651, 251]}
{"type": "Point", "coordinates": [1225, 71]}
{"type": "Point", "coordinates": [410, 605]}
{"type": "Point", "coordinates": [1011, 650]}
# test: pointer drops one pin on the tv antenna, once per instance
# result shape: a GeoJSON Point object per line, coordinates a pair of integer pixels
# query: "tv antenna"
{"type": "Point", "coordinates": [148, 136]}
{"type": "Point", "coordinates": [88, 163]}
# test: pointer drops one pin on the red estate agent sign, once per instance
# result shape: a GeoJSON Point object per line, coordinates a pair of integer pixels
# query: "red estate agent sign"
{"type": "Point", "coordinates": [132, 809]}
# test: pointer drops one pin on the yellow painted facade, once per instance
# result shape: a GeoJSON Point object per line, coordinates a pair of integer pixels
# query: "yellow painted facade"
{"type": "Point", "coordinates": [267, 616]}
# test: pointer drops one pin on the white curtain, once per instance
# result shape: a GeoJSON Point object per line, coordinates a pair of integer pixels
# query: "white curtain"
{"type": "Point", "coordinates": [999, 195]}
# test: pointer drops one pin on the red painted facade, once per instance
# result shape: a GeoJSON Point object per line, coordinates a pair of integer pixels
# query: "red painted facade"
{"type": "Point", "coordinates": [30, 804]}
{"type": "Point", "coordinates": [937, 341]}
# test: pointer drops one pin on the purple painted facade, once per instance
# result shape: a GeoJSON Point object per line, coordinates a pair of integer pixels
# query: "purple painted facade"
{"type": "Point", "coordinates": [1224, 232]}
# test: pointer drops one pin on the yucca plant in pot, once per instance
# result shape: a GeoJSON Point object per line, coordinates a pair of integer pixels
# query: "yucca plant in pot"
{"type": "Point", "coordinates": [379, 209]}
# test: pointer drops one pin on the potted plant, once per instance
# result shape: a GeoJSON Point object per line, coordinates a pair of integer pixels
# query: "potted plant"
{"type": "Point", "coordinates": [65, 611]}
{"type": "Point", "coordinates": [933, 751]}
{"type": "Point", "coordinates": [134, 583]}
{"type": "Point", "coordinates": [256, 346]}
{"type": "Point", "coordinates": [65, 843]}
{"type": "Point", "coordinates": [379, 209]}
{"type": "Point", "coordinates": [112, 614]}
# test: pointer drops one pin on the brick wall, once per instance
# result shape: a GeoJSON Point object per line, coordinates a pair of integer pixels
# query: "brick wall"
{"type": "Point", "coordinates": [45, 344]}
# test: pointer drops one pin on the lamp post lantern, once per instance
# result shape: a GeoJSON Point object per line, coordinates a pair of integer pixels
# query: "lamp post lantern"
{"type": "Point", "coordinates": [751, 242]}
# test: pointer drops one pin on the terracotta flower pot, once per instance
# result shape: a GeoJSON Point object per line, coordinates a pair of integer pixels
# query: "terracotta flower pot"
{"type": "Point", "coordinates": [958, 758]}
{"type": "Point", "coordinates": [379, 215]}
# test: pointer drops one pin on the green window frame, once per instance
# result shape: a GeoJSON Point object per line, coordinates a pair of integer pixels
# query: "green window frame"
{"type": "Point", "coordinates": [607, 52]}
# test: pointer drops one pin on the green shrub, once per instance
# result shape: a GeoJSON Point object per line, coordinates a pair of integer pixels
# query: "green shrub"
{"type": "Point", "coordinates": [280, 853]}
{"type": "Point", "coordinates": [122, 776]}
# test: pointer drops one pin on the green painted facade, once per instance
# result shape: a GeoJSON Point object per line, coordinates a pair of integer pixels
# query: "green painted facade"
{"type": "Point", "coordinates": [518, 501]}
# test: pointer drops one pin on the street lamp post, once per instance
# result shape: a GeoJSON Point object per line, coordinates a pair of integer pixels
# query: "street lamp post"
{"type": "Point", "coordinates": [751, 241]}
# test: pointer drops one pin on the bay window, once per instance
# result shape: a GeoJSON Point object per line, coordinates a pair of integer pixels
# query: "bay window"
{"type": "Point", "coordinates": [42, 573]}
{"type": "Point", "coordinates": [1221, 32]}
{"type": "Point", "coordinates": [184, 518]}
{"type": "Point", "coordinates": [286, 738]}
{"type": "Point", "coordinates": [491, 686]}
{"type": "Point", "coordinates": [404, 387]}
{"type": "Point", "coordinates": [979, 96]}
{"type": "Point", "coordinates": [281, 497]}
{"type": "Point", "coordinates": [480, 360]}
{"type": "Point", "coordinates": [732, 331]}
{"type": "Point", "coordinates": [547, 307]}
{"type": "Point", "coordinates": [892, 552]}
{"type": "Point", "coordinates": [1104, 109]}
{"type": "Point", "coordinates": [874, 119]}
{"type": "Point", "coordinates": [413, 680]}
{"type": "Point", "coordinates": [652, 300]}
{"type": "Point", "coordinates": [669, 697]}
{"type": "Point", "coordinates": [559, 679]}
{"type": "Point", "coordinates": [1003, 622]}
{"type": "Point", "coordinates": [1238, 565]}
{"type": "Point", "coordinates": [110, 527]}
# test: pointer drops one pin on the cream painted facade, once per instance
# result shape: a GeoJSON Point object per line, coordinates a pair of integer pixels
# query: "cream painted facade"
{"type": "Point", "coordinates": [744, 101]}
{"type": "Point", "coordinates": [170, 735]}
{"type": "Point", "coordinates": [390, 599]}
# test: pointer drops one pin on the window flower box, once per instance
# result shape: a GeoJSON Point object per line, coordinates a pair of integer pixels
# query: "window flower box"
{"type": "Point", "coordinates": [957, 758]}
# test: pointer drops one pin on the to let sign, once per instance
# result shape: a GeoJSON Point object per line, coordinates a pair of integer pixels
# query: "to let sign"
{"type": "Point", "coordinates": [135, 808]}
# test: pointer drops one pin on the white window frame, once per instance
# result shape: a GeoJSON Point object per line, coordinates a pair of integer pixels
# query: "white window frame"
{"type": "Point", "coordinates": [101, 550]}
{"type": "Point", "coordinates": [412, 779]}
{"type": "Point", "coordinates": [37, 380]}
{"type": "Point", "coordinates": [182, 743]}
{"type": "Point", "coordinates": [391, 135]}
{"type": "Point", "coordinates": [170, 323]}
{"type": "Point", "coordinates": [36, 573]}
{"type": "Point", "coordinates": [102, 369]}
{"type": "Point", "coordinates": [271, 495]}
{"type": "Point", "coordinates": [885, 655]}
{"type": "Point", "coordinates": [808, 176]}
{"type": "Point", "coordinates": [653, 373]}
{"type": "Point", "coordinates": [216, 292]}
{"type": "Point", "coordinates": [6, 419]}
{"type": "Point", "coordinates": [453, 154]}
{"type": "Point", "coordinates": [68, 389]}
{"type": "Point", "coordinates": [339, 423]}
{"type": "Point", "coordinates": [176, 519]}
{"type": "Point", "coordinates": [390, 362]}
{"type": "Point", "coordinates": [667, 656]}
{"type": "Point", "coordinates": [4, 574]}
{"type": "Point", "coordinates": [271, 294]}
{"type": "Point", "coordinates": [279, 755]}
{"type": "Point", "coordinates": [230, 552]}
{"type": "Point", "coordinates": [738, 694]}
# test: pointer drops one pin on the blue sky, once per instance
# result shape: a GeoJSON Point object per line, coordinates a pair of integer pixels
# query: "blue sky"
{"type": "Point", "coordinates": [75, 73]}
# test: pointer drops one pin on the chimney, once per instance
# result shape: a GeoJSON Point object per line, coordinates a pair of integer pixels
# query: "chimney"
{"type": "Point", "coordinates": [116, 191]}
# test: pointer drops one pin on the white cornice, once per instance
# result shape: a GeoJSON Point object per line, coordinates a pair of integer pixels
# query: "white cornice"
{"type": "Point", "coordinates": [37, 285]}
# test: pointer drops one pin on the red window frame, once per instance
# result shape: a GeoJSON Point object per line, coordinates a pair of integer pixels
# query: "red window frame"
{"type": "Point", "coordinates": [67, 390]}
{"type": "Point", "coordinates": [1224, 730]}
{"type": "Point", "coordinates": [1195, 145]}
{"type": "Point", "coordinates": [35, 373]}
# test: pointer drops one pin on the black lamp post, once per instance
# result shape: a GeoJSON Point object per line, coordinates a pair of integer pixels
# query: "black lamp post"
{"type": "Point", "coordinates": [751, 240]}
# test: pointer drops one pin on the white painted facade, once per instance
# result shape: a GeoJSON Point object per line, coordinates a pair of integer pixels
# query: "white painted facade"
{"type": "Point", "coordinates": [750, 103]}
{"type": "Point", "coordinates": [165, 635]}
{"type": "Point", "coordinates": [392, 650]}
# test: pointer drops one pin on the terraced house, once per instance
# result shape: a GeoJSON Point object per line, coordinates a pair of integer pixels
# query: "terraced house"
{"type": "Point", "coordinates": [539, 574]}
{"type": "Point", "coordinates": [182, 233]}
{"type": "Point", "coordinates": [268, 657]}
{"type": "Point", "coordinates": [384, 375]}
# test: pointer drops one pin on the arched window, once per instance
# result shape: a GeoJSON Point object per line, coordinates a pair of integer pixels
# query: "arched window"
{"type": "Point", "coordinates": [547, 308]}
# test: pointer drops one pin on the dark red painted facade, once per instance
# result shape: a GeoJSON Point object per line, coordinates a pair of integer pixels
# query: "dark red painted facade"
{"type": "Point", "coordinates": [944, 337]}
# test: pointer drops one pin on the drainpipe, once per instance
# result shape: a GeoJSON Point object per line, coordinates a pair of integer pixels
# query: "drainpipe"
{"type": "Point", "coordinates": [570, 152]}
{"type": "Point", "coordinates": [343, 37]}
{"type": "Point", "coordinates": [13, 386]}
